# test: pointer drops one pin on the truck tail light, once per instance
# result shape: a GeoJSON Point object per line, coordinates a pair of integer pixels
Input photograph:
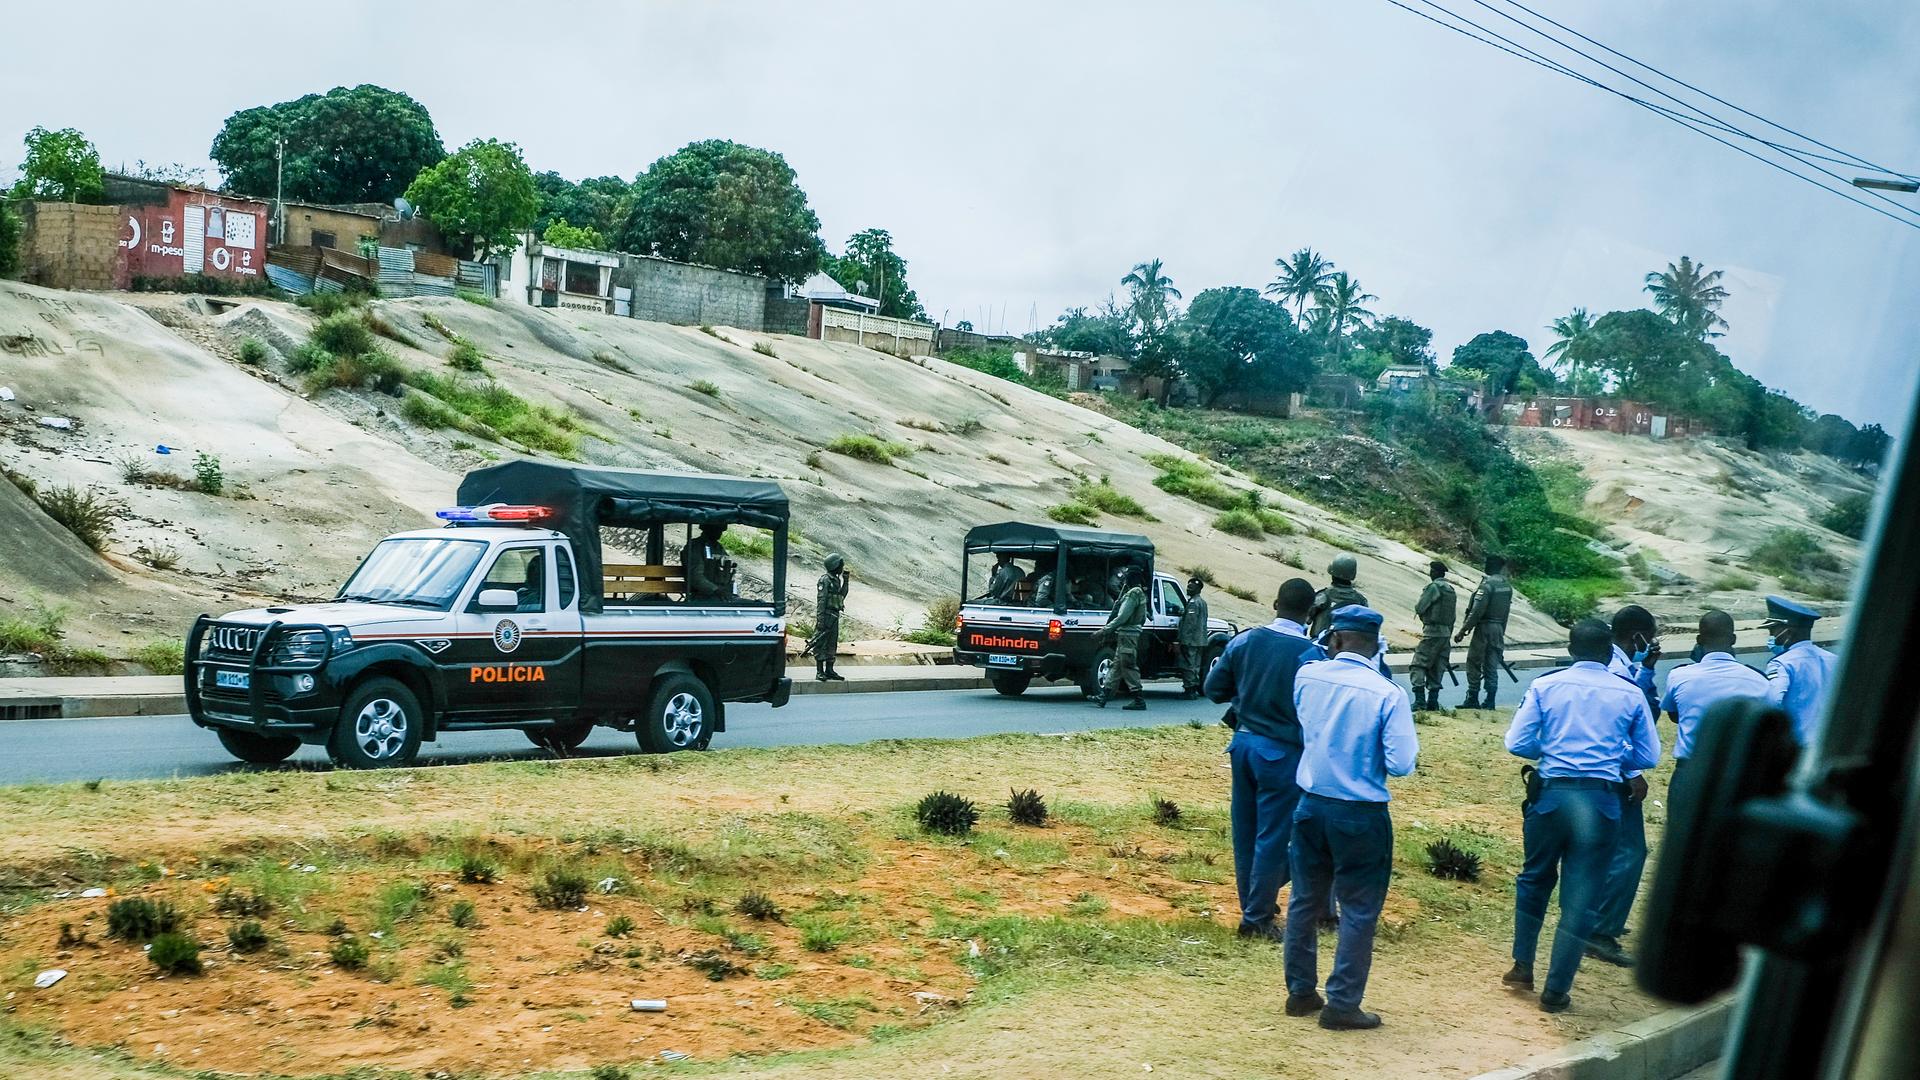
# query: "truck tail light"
{"type": "Point", "coordinates": [1053, 630]}
{"type": "Point", "coordinates": [959, 623]}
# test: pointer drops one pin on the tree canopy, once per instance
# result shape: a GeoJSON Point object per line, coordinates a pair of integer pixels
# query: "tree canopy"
{"type": "Point", "coordinates": [1689, 295]}
{"type": "Point", "coordinates": [1107, 331]}
{"type": "Point", "coordinates": [1232, 338]}
{"type": "Point", "coordinates": [480, 196]}
{"type": "Point", "coordinates": [598, 203]}
{"type": "Point", "coordinates": [871, 268]}
{"type": "Point", "coordinates": [1397, 341]}
{"type": "Point", "coordinates": [1505, 361]}
{"type": "Point", "coordinates": [364, 144]}
{"type": "Point", "coordinates": [60, 166]}
{"type": "Point", "coordinates": [727, 205]}
{"type": "Point", "coordinates": [560, 234]}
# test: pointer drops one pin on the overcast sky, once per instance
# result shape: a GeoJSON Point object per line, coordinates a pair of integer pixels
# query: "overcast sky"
{"type": "Point", "coordinates": [1025, 155]}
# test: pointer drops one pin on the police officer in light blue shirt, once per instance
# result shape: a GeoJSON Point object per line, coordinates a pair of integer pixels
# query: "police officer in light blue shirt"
{"type": "Point", "coordinates": [1800, 670]}
{"type": "Point", "coordinates": [1717, 677]}
{"type": "Point", "coordinates": [1358, 730]}
{"type": "Point", "coordinates": [1586, 727]}
{"type": "Point", "coordinates": [1636, 649]}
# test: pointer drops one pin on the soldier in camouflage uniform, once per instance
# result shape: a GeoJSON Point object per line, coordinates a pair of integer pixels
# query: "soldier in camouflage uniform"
{"type": "Point", "coordinates": [831, 602]}
{"type": "Point", "coordinates": [1436, 611]}
{"type": "Point", "coordinates": [1487, 621]}
{"type": "Point", "coordinates": [1123, 632]}
{"type": "Point", "coordinates": [1191, 639]}
{"type": "Point", "coordinates": [1337, 595]}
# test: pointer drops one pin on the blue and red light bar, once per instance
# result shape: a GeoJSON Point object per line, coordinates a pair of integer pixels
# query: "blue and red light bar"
{"type": "Point", "coordinates": [503, 513]}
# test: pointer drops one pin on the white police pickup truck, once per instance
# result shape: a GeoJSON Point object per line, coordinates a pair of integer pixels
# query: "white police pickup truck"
{"type": "Point", "coordinates": [508, 617]}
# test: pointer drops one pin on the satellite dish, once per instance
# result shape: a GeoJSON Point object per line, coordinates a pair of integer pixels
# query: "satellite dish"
{"type": "Point", "coordinates": [405, 208]}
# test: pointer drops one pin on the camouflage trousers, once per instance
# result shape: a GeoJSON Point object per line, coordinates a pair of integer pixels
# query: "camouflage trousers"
{"type": "Point", "coordinates": [1193, 659]}
{"type": "Point", "coordinates": [1430, 661]}
{"type": "Point", "coordinates": [1124, 676]}
{"type": "Point", "coordinates": [1485, 649]}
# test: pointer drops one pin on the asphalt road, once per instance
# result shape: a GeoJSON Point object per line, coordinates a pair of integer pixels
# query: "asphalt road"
{"type": "Point", "coordinates": [147, 747]}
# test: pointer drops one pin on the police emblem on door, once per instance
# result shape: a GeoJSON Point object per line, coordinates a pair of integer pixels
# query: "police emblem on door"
{"type": "Point", "coordinates": [506, 635]}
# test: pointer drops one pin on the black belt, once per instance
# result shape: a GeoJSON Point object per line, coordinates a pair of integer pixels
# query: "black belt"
{"type": "Point", "coordinates": [1357, 804]}
{"type": "Point", "coordinates": [1581, 782]}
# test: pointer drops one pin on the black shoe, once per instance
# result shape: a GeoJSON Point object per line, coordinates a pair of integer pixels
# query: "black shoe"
{"type": "Point", "coordinates": [819, 674]}
{"type": "Point", "coordinates": [1099, 701]}
{"type": "Point", "coordinates": [1555, 1003]}
{"type": "Point", "coordinates": [1348, 1020]}
{"type": "Point", "coordinates": [1136, 705]}
{"type": "Point", "coordinates": [1521, 976]}
{"type": "Point", "coordinates": [1608, 950]}
{"type": "Point", "coordinates": [1263, 932]}
{"type": "Point", "coordinates": [1489, 703]}
{"type": "Point", "coordinates": [1305, 1004]}
{"type": "Point", "coordinates": [1472, 702]}
{"type": "Point", "coordinates": [834, 676]}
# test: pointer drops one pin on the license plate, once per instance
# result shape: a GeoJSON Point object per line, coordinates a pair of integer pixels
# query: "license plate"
{"type": "Point", "coordinates": [1003, 661]}
{"type": "Point", "coordinates": [231, 680]}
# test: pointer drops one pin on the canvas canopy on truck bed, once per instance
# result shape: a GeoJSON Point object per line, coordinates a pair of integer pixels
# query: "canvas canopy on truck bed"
{"type": "Point", "coordinates": [1021, 538]}
{"type": "Point", "coordinates": [584, 500]}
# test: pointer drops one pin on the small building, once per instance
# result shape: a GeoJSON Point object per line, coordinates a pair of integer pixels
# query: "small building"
{"type": "Point", "coordinates": [542, 275]}
{"type": "Point", "coordinates": [1336, 391]}
{"type": "Point", "coordinates": [338, 228]}
{"type": "Point", "coordinates": [823, 291]}
{"type": "Point", "coordinates": [1078, 368]}
{"type": "Point", "coordinates": [172, 231]}
{"type": "Point", "coordinates": [1404, 379]}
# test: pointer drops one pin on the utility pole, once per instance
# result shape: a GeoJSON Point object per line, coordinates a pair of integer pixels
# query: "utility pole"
{"type": "Point", "coordinates": [279, 203]}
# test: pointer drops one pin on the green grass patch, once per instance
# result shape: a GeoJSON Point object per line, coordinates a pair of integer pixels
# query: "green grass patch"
{"type": "Point", "coordinates": [1072, 513]}
{"type": "Point", "coordinates": [1242, 523]}
{"type": "Point", "coordinates": [161, 657]}
{"type": "Point", "coordinates": [743, 542]}
{"type": "Point", "coordinates": [1570, 599]}
{"type": "Point", "coordinates": [834, 1012]}
{"type": "Point", "coordinates": [1107, 499]}
{"type": "Point", "coordinates": [868, 448]}
{"type": "Point", "coordinates": [1792, 551]}
{"type": "Point", "coordinates": [490, 410]}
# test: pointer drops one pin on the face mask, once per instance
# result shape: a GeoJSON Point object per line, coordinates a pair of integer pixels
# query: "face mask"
{"type": "Point", "coordinates": [1776, 647]}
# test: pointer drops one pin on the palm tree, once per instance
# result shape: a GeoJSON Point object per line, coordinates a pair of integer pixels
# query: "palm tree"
{"type": "Point", "coordinates": [1689, 295]}
{"type": "Point", "coordinates": [1345, 303]}
{"type": "Point", "coordinates": [1302, 275]}
{"type": "Point", "coordinates": [1151, 290]}
{"type": "Point", "coordinates": [1572, 329]}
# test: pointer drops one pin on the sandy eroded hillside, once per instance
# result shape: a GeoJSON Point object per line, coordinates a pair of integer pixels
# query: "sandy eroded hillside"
{"type": "Point", "coordinates": [320, 477]}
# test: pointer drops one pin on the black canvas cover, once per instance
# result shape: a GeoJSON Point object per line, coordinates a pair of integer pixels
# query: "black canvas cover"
{"type": "Point", "coordinates": [584, 499]}
{"type": "Point", "coordinates": [1019, 537]}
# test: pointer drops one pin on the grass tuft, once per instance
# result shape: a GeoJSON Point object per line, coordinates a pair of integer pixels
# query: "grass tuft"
{"type": "Point", "coordinates": [868, 448]}
{"type": "Point", "coordinates": [562, 889]}
{"type": "Point", "coordinates": [175, 954]}
{"type": "Point", "coordinates": [1027, 808]}
{"type": "Point", "coordinates": [946, 814]}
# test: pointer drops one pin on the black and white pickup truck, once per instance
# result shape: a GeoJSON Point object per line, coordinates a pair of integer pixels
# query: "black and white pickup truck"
{"type": "Point", "coordinates": [508, 617]}
{"type": "Point", "coordinates": [1047, 624]}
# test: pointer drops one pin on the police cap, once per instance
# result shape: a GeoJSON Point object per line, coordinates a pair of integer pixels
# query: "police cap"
{"type": "Point", "coordinates": [1356, 618]}
{"type": "Point", "coordinates": [1784, 612]}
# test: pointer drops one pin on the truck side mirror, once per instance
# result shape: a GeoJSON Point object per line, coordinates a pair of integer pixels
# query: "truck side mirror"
{"type": "Point", "coordinates": [497, 600]}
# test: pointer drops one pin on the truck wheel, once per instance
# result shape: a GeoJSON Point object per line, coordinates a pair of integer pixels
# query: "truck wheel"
{"type": "Point", "coordinates": [379, 727]}
{"type": "Point", "coordinates": [560, 738]}
{"type": "Point", "coordinates": [679, 717]}
{"type": "Point", "coordinates": [258, 749]}
{"type": "Point", "coordinates": [1011, 683]}
{"type": "Point", "coordinates": [1094, 678]}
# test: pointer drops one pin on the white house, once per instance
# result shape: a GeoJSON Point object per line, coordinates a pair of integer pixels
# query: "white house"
{"type": "Point", "coordinates": [543, 275]}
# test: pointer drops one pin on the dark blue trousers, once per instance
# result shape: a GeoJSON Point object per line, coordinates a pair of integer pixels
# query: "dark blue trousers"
{"type": "Point", "coordinates": [1624, 870]}
{"type": "Point", "coordinates": [1265, 793]}
{"type": "Point", "coordinates": [1569, 837]}
{"type": "Point", "coordinates": [1344, 851]}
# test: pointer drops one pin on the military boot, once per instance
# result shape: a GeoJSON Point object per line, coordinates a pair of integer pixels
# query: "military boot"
{"type": "Point", "coordinates": [1489, 702]}
{"type": "Point", "coordinates": [819, 671]}
{"type": "Point", "coordinates": [1473, 700]}
{"type": "Point", "coordinates": [1099, 699]}
{"type": "Point", "coordinates": [832, 675]}
{"type": "Point", "coordinates": [1138, 703]}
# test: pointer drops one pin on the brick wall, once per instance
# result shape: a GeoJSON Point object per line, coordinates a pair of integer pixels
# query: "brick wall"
{"type": "Point", "coordinates": [672, 292]}
{"type": "Point", "coordinates": [69, 246]}
{"type": "Point", "coordinates": [787, 315]}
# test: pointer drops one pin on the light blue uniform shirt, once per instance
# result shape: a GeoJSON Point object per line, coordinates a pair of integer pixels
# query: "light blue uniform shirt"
{"type": "Point", "coordinates": [1358, 728]}
{"type": "Point", "coordinates": [1585, 721]}
{"type": "Point", "coordinates": [1695, 688]}
{"type": "Point", "coordinates": [1799, 677]}
{"type": "Point", "coordinates": [1639, 675]}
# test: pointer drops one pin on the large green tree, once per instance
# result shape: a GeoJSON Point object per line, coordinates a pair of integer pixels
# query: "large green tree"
{"type": "Point", "coordinates": [1689, 295]}
{"type": "Point", "coordinates": [1345, 303]}
{"type": "Point", "coordinates": [1151, 295]}
{"type": "Point", "coordinates": [598, 203]}
{"type": "Point", "coordinates": [872, 268]}
{"type": "Point", "coordinates": [1397, 341]}
{"type": "Point", "coordinates": [727, 205]}
{"type": "Point", "coordinates": [1570, 342]}
{"type": "Point", "coordinates": [360, 144]}
{"type": "Point", "coordinates": [10, 230]}
{"type": "Point", "coordinates": [1302, 275]}
{"type": "Point", "coordinates": [60, 166]}
{"type": "Point", "coordinates": [480, 196]}
{"type": "Point", "coordinates": [1231, 338]}
{"type": "Point", "coordinates": [1107, 331]}
{"type": "Point", "coordinates": [1505, 361]}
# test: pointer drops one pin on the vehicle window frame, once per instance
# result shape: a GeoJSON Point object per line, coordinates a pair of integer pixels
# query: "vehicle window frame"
{"type": "Point", "coordinates": [480, 581]}
{"type": "Point", "coordinates": [453, 600]}
{"type": "Point", "coordinates": [1167, 604]}
{"type": "Point", "coordinates": [565, 578]}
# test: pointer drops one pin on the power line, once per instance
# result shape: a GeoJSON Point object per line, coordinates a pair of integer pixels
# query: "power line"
{"type": "Point", "coordinates": [1853, 159]}
{"type": "Point", "coordinates": [1689, 106]}
{"type": "Point", "coordinates": [1522, 52]}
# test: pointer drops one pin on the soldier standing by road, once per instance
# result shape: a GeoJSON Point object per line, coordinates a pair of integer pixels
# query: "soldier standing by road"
{"type": "Point", "coordinates": [1799, 670]}
{"type": "Point", "coordinates": [1123, 633]}
{"type": "Point", "coordinates": [1436, 611]}
{"type": "Point", "coordinates": [1337, 595]}
{"type": "Point", "coordinates": [1487, 621]}
{"type": "Point", "coordinates": [831, 602]}
{"type": "Point", "coordinates": [1586, 727]}
{"type": "Point", "coordinates": [1191, 639]}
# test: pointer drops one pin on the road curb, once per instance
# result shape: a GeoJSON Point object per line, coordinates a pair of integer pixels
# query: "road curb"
{"type": "Point", "coordinates": [1661, 1047]}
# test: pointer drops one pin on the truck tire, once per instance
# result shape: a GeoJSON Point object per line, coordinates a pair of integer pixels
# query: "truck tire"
{"type": "Point", "coordinates": [1094, 677]}
{"type": "Point", "coordinates": [257, 749]}
{"type": "Point", "coordinates": [560, 738]}
{"type": "Point", "coordinates": [1011, 683]}
{"type": "Point", "coordinates": [379, 727]}
{"type": "Point", "coordinates": [679, 715]}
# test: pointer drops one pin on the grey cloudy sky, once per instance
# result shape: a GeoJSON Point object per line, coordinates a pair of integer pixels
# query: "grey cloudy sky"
{"type": "Point", "coordinates": [1025, 155]}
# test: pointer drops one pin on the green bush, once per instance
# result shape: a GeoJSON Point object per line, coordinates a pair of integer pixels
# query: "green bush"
{"type": "Point", "coordinates": [562, 889]}
{"type": "Point", "coordinates": [175, 954]}
{"type": "Point", "coordinates": [39, 630]}
{"type": "Point", "coordinates": [466, 357]}
{"type": "Point", "coordinates": [463, 915]}
{"type": "Point", "coordinates": [1790, 551]}
{"type": "Point", "coordinates": [936, 627]}
{"type": "Point", "coordinates": [84, 512]}
{"type": "Point", "coordinates": [1244, 523]}
{"type": "Point", "coordinates": [703, 386]}
{"type": "Point", "coordinates": [1027, 808]}
{"type": "Point", "coordinates": [207, 477]}
{"type": "Point", "coordinates": [1848, 515]}
{"type": "Point", "coordinates": [1567, 600]}
{"type": "Point", "coordinates": [747, 543]}
{"type": "Point", "coordinates": [308, 357]}
{"type": "Point", "coordinates": [619, 926]}
{"type": "Point", "coordinates": [478, 869]}
{"type": "Point", "coordinates": [1108, 499]}
{"type": "Point", "coordinates": [492, 411]}
{"type": "Point", "coordinates": [375, 370]}
{"type": "Point", "coordinates": [162, 657]}
{"type": "Point", "coordinates": [253, 352]}
{"type": "Point", "coordinates": [248, 936]}
{"type": "Point", "coordinates": [10, 229]}
{"type": "Point", "coordinates": [868, 448]}
{"type": "Point", "coordinates": [1072, 513]}
{"type": "Point", "coordinates": [327, 304]}
{"type": "Point", "coordinates": [349, 953]}
{"type": "Point", "coordinates": [138, 919]}
{"type": "Point", "coordinates": [342, 335]}
{"type": "Point", "coordinates": [759, 906]}
{"type": "Point", "coordinates": [947, 814]}
{"type": "Point", "coordinates": [1192, 480]}
{"type": "Point", "coordinates": [818, 934]}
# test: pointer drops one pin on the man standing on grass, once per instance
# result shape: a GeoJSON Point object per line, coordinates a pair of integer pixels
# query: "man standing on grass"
{"type": "Point", "coordinates": [1192, 639]}
{"type": "Point", "coordinates": [1636, 649]}
{"type": "Point", "coordinates": [1256, 674]}
{"type": "Point", "coordinates": [1486, 620]}
{"type": "Point", "coordinates": [1357, 728]}
{"type": "Point", "coordinates": [1585, 726]}
{"type": "Point", "coordinates": [1694, 688]}
{"type": "Point", "coordinates": [1435, 609]}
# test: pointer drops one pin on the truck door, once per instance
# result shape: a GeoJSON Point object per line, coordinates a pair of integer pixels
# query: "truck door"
{"type": "Point", "coordinates": [523, 660]}
{"type": "Point", "coordinates": [1163, 625]}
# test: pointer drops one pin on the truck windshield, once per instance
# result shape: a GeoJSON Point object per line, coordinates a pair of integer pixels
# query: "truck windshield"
{"type": "Point", "coordinates": [419, 572]}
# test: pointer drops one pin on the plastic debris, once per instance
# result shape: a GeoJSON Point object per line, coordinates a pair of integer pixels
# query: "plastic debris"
{"type": "Point", "coordinates": [6, 393]}
{"type": "Point", "coordinates": [673, 1055]}
{"type": "Point", "coordinates": [91, 893]}
{"type": "Point", "coordinates": [309, 868]}
{"type": "Point", "coordinates": [163, 449]}
{"type": "Point", "coordinates": [48, 978]}
{"type": "Point", "coordinates": [609, 885]}
{"type": "Point", "coordinates": [58, 423]}
{"type": "Point", "coordinates": [649, 1004]}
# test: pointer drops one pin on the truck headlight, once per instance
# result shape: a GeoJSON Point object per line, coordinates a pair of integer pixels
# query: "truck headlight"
{"type": "Point", "coordinates": [304, 646]}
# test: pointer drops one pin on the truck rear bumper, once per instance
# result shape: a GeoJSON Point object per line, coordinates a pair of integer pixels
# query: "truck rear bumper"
{"type": "Point", "coordinates": [1048, 666]}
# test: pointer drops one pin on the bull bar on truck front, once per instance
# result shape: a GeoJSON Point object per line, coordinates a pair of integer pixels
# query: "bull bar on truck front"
{"type": "Point", "coordinates": [261, 716]}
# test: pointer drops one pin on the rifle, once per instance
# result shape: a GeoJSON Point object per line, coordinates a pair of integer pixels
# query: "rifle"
{"type": "Point", "coordinates": [1509, 669]}
{"type": "Point", "coordinates": [812, 643]}
{"type": "Point", "coordinates": [1452, 673]}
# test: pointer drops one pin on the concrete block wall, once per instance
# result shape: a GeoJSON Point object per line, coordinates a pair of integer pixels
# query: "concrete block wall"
{"type": "Point", "coordinates": [786, 315]}
{"type": "Point", "coordinates": [70, 246]}
{"type": "Point", "coordinates": [672, 292]}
